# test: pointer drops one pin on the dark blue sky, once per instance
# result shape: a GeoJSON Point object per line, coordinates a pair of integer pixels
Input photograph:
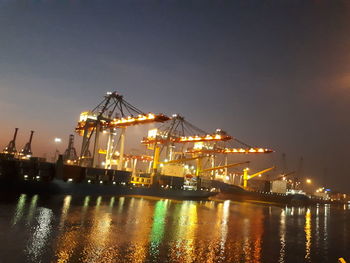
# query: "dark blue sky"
{"type": "Point", "coordinates": [272, 73]}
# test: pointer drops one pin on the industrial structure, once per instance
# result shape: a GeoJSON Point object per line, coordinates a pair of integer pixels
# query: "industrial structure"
{"type": "Point", "coordinates": [111, 114]}
{"type": "Point", "coordinates": [70, 154]}
{"type": "Point", "coordinates": [26, 152]}
{"type": "Point", "coordinates": [179, 156]}
{"type": "Point", "coordinates": [11, 147]}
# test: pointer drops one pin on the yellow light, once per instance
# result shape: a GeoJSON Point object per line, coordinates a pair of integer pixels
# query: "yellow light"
{"type": "Point", "coordinates": [308, 181]}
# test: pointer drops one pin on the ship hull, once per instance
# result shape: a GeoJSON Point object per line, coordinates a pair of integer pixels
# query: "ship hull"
{"type": "Point", "coordinates": [59, 187]}
{"type": "Point", "coordinates": [23, 176]}
{"type": "Point", "coordinates": [236, 193]}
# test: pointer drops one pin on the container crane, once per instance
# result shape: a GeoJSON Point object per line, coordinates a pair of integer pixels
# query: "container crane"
{"type": "Point", "coordinates": [179, 131]}
{"type": "Point", "coordinates": [11, 147]}
{"type": "Point", "coordinates": [247, 177]}
{"type": "Point", "coordinates": [112, 113]}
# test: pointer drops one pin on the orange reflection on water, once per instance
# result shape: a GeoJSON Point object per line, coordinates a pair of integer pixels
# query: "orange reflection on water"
{"type": "Point", "coordinates": [67, 239]}
{"type": "Point", "coordinates": [185, 227]}
{"type": "Point", "coordinates": [282, 232]}
{"type": "Point", "coordinates": [253, 231]}
{"type": "Point", "coordinates": [139, 228]}
{"type": "Point", "coordinates": [307, 230]}
{"type": "Point", "coordinates": [215, 229]}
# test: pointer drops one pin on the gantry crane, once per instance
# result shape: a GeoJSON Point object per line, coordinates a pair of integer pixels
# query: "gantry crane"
{"type": "Point", "coordinates": [113, 113]}
{"type": "Point", "coordinates": [11, 147]}
{"type": "Point", "coordinates": [226, 148]}
{"type": "Point", "coordinates": [179, 130]}
{"type": "Point", "coordinates": [247, 177]}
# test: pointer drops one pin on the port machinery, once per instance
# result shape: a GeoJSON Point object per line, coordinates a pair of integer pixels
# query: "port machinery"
{"type": "Point", "coordinates": [11, 147]}
{"type": "Point", "coordinates": [111, 114]}
{"type": "Point", "coordinates": [25, 152]}
{"type": "Point", "coordinates": [70, 154]}
{"type": "Point", "coordinates": [194, 141]}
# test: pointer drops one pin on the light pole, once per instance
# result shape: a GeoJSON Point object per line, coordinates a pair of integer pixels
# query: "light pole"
{"type": "Point", "coordinates": [57, 152]}
{"type": "Point", "coordinates": [307, 185]}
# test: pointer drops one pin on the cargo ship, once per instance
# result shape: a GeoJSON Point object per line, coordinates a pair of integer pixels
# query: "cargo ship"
{"type": "Point", "coordinates": [35, 175]}
{"type": "Point", "coordinates": [268, 194]}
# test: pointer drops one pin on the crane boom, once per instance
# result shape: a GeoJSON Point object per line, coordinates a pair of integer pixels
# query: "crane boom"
{"type": "Point", "coordinates": [224, 166]}
{"type": "Point", "coordinates": [261, 172]}
{"type": "Point", "coordinates": [231, 150]}
{"type": "Point", "coordinates": [247, 177]}
{"type": "Point", "coordinates": [286, 174]}
{"type": "Point", "coordinates": [183, 160]}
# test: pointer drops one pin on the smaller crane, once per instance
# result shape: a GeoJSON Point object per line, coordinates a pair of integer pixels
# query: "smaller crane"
{"type": "Point", "coordinates": [11, 147]}
{"type": "Point", "coordinates": [26, 152]}
{"type": "Point", "coordinates": [70, 154]}
{"type": "Point", "coordinates": [247, 177]}
{"type": "Point", "coordinates": [283, 176]}
{"type": "Point", "coordinates": [223, 166]}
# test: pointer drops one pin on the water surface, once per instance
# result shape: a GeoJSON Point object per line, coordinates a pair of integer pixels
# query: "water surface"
{"type": "Point", "coordinates": [133, 229]}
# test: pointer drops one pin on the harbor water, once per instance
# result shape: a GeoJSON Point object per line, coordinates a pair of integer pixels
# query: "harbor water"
{"type": "Point", "coordinates": [89, 229]}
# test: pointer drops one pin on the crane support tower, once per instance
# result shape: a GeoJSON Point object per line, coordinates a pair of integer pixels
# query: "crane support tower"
{"type": "Point", "coordinates": [70, 154]}
{"type": "Point", "coordinates": [11, 147]}
{"type": "Point", "coordinates": [26, 152]}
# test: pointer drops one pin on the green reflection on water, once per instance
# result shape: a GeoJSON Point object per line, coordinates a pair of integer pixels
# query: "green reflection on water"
{"type": "Point", "coordinates": [111, 202]}
{"type": "Point", "coordinates": [32, 208]}
{"type": "Point", "coordinates": [65, 208]}
{"type": "Point", "coordinates": [158, 226]}
{"type": "Point", "coordinates": [86, 201]}
{"type": "Point", "coordinates": [19, 209]}
{"type": "Point", "coordinates": [158, 222]}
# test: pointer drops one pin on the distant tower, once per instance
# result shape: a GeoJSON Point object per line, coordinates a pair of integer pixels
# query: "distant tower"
{"type": "Point", "coordinates": [27, 149]}
{"type": "Point", "coordinates": [299, 174]}
{"type": "Point", "coordinates": [284, 163]}
{"type": "Point", "coordinates": [11, 147]}
{"type": "Point", "coordinates": [70, 153]}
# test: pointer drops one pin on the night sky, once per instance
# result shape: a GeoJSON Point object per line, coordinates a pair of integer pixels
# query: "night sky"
{"type": "Point", "coordinates": [271, 73]}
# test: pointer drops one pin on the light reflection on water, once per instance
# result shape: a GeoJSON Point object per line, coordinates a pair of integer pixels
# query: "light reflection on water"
{"type": "Point", "coordinates": [307, 230]}
{"type": "Point", "coordinates": [130, 229]}
{"type": "Point", "coordinates": [38, 240]}
{"type": "Point", "coordinates": [19, 209]}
